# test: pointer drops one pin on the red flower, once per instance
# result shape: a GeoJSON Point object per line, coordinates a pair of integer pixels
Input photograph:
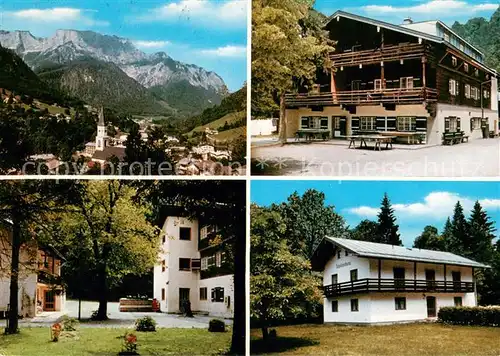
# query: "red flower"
{"type": "Point", "coordinates": [56, 326]}
{"type": "Point", "coordinates": [131, 338]}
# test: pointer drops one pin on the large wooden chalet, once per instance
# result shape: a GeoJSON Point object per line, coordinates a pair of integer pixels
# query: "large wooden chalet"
{"type": "Point", "coordinates": [415, 78]}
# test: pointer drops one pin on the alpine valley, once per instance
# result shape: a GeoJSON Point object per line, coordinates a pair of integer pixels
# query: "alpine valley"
{"type": "Point", "coordinates": [110, 71]}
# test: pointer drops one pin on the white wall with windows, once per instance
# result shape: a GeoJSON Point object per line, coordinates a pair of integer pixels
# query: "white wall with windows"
{"type": "Point", "coordinates": [219, 296]}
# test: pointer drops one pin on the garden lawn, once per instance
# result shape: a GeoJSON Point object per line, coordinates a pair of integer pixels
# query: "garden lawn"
{"type": "Point", "coordinates": [392, 340]}
{"type": "Point", "coordinates": [105, 341]}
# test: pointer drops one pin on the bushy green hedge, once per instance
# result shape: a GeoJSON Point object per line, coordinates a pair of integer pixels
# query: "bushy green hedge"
{"type": "Point", "coordinates": [484, 316]}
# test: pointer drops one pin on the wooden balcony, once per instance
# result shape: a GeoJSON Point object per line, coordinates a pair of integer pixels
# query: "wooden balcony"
{"type": "Point", "coordinates": [363, 97]}
{"type": "Point", "coordinates": [377, 55]}
{"type": "Point", "coordinates": [368, 285]}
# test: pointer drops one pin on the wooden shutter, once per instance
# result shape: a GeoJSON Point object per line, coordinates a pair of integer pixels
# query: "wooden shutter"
{"type": "Point", "coordinates": [354, 124]}
{"type": "Point", "coordinates": [421, 124]}
{"type": "Point", "coordinates": [212, 292]}
{"type": "Point", "coordinates": [458, 124]}
{"type": "Point", "coordinates": [446, 124]}
{"type": "Point", "coordinates": [380, 124]}
{"type": "Point", "coordinates": [196, 263]}
{"type": "Point", "coordinates": [391, 123]}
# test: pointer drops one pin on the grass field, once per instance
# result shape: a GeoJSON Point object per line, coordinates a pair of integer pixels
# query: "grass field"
{"type": "Point", "coordinates": [394, 340]}
{"type": "Point", "coordinates": [107, 341]}
{"type": "Point", "coordinates": [230, 118]}
{"type": "Point", "coordinates": [232, 134]}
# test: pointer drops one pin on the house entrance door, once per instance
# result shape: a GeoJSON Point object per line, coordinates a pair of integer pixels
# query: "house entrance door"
{"type": "Point", "coordinates": [49, 301]}
{"type": "Point", "coordinates": [431, 307]}
{"type": "Point", "coordinates": [339, 126]}
{"type": "Point", "coordinates": [183, 295]}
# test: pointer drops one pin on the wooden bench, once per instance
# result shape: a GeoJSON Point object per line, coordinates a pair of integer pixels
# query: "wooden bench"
{"type": "Point", "coordinates": [311, 134]}
{"type": "Point", "coordinates": [450, 138]}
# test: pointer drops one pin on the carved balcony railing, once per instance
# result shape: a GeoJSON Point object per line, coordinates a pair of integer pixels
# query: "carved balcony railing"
{"type": "Point", "coordinates": [396, 285]}
{"type": "Point", "coordinates": [377, 55]}
{"type": "Point", "coordinates": [363, 97]}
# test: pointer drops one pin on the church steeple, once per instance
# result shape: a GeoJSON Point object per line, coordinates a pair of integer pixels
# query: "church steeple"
{"type": "Point", "coordinates": [101, 140]}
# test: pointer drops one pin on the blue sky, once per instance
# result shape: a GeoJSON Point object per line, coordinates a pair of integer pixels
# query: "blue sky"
{"type": "Point", "coordinates": [416, 204]}
{"type": "Point", "coordinates": [208, 33]}
{"type": "Point", "coordinates": [394, 11]}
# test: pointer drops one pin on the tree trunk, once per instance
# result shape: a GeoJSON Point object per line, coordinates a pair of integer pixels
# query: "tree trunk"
{"type": "Point", "coordinates": [13, 326]}
{"type": "Point", "coordinates": [265, 333]}
{"type": "Point", "coordinates": [238, 339]}
{"type": "Point", "coordinates": [282, 122]}
{"type": "Point", "coordinates": [102, 312]}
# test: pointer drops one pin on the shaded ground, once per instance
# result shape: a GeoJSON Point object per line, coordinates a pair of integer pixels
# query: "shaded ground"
{"type": "Point", "coordinates": [117, 319]}
{"type": "Point", "coordinates": [392, 340]}
{"type": "Point", "coordinates": [478, 158]}
{"type": "Point", "coordinates": [104, 341]}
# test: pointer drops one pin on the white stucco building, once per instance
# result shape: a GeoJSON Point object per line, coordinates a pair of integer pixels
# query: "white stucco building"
{"type": "Point", "coordinates": [192, 268]}
{"type": "Point", "coordinates": [368, 283]}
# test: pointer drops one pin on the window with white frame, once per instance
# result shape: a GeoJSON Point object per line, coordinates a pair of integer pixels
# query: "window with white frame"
{"type": "Point", "coordinates": [210, 261]}
{"type": "Point", "coordinates": [203, 232]}
{"type": "Point", "coordinates": [406, 82]}
{"type": "Point", "coordinates": [453, 87]}
{"type": "Point", "coordinates": [204, 263]}
{"type": "Point", "coordinates": [450, 124]}
{"type": "Point", "coordinates": [406, 123]}
{"type": "Point", "coordinates": [367, 123]}
{"type": "Point", "coordinates": [476, 123]}
{"type": "Point", "coordinates": [454, 61]}
{"type": "Point", "coordinates": [466, 67]}
{"type": "Point", "coordinates": [314, 122]}
{"type": "Point", "coordinates": [476, 72]}
{"type": "Point", "coordinates": [378, 84]}
{"type": "Point", "coordinates": [447, 37]}
{"type": "Point", "coordinates": [467, 91]}
{"type": "Point", "coordinates": [474, 93]}
{"type": "Point", "coordinates": [218, 259]}
{"type": "Point", "coordinates": [486, 94]}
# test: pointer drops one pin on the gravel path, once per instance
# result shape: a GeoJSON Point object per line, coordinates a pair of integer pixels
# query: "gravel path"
{"type": "Point", "coordinates": [117, 319]}
{"type": "Point", "coordinates": [478, 158]}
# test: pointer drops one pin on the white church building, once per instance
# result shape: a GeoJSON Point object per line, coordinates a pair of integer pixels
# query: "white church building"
{"type": "Point", "coordinates": [193, 267]}
{"type": "Point", "coordinates": [370, 283]}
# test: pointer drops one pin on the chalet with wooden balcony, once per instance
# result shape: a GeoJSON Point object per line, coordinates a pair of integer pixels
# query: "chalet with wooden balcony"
{"type": "Point", "coordinates": [366, 282]}
{"type": "Point", "coordinates": [193, 265]}
{"type": "Point", "coordinates": [415, 78]}
{"type": "Point", "coordinates": [40, 285]}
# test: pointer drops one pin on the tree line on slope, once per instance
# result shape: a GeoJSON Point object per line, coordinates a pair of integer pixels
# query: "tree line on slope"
{"type": "Point", "coordinates": [284, 236]}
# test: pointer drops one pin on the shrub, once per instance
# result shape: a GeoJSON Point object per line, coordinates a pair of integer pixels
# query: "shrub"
{"type": "Point", "coordinates": [216, 326]}
{"type": "Point", "coordinates": [69, 324]}
{"type": "Point", "coordinates": [145, 324]}
{"type": "Point", "coordinates": [482, 316]}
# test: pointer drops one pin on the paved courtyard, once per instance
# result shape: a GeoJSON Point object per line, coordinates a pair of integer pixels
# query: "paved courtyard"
{"type": "Point", "coordinates": [117, 319]}
{"type": "Point", "coordinates": [477, 158]}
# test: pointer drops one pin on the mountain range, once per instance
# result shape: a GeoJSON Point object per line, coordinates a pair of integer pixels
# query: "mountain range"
{"type": "Point", "coordinates": [103, 69]}
{"type": "Point", "coordinates": [485, 35]}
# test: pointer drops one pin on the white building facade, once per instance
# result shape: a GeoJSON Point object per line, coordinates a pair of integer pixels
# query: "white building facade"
{"type": "Point", "coordinates": [369, 283]}
{"type": "Point", "coordinates": [192, 268]}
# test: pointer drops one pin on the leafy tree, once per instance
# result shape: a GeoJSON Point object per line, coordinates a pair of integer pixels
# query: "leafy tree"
{"type": "Point", "coordinates": [26, 204]}
{"type": "Point", "coordinates": [366, 230]}
{"type": "Point", "coordinates": [308, 220]}
{"type": "Point", "coordinates": [429, 240]}
{"type": "Point", "coordinates": [387, 228]}
{"type": "Point", "coordinates": [112, 231]}
{"type": "Point", "coordinates": [281, 281]}
{"type": "Point", "coordinates": [285, 53]}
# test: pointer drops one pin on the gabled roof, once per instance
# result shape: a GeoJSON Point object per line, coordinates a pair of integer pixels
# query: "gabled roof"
{"type": "Point", "coordinates": [384, 251]}
{"type": "Point", "coordinates": [385, 25]}
{"type": "Point", "coordinates": [407, 31]}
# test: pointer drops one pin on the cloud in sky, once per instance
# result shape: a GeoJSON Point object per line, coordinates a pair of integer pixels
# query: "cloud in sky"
{"type": "Point", "coordinates": [219, 13]}
{"type": "Point", "coordinates": [56, 16]}
{"type": "Point", "coordinates": [436, 205]}
{"type": "Point", "coordinates": [434, 8]}
{"type": "Point", "coordinates": [151, 44]}
{"type": "Point", "coordinates": [226, 51]}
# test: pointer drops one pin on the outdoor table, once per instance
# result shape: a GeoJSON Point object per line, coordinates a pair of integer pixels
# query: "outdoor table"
{"type": "Point", "coordinates": [411, 136]}
{"type": "Point", "coordinates": [379, 139]}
